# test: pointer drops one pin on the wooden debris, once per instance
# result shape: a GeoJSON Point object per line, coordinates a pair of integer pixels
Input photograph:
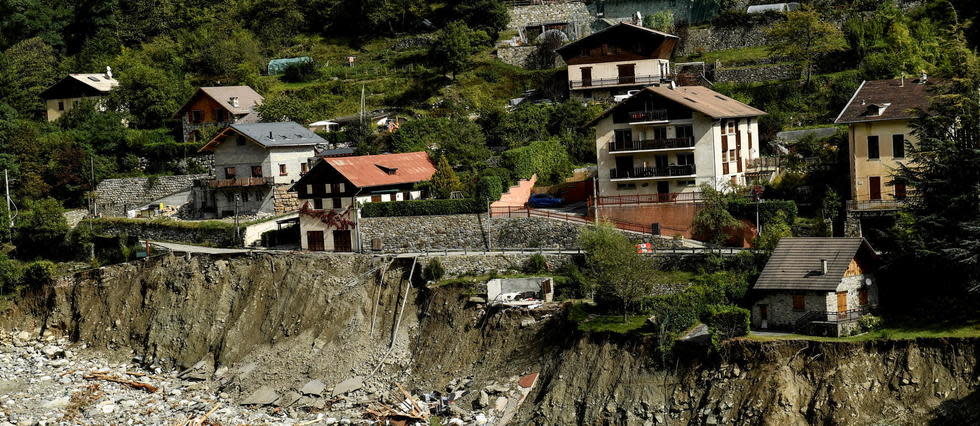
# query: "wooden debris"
{"type": "Point", "coordinates": [99, 375]}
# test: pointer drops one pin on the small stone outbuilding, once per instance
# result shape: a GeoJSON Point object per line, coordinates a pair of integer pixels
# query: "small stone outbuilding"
{"type": "Point", "coordinates": [816, 286]}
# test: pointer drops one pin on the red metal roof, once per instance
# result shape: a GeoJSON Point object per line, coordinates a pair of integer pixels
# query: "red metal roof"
{"type": "Point", "coordinates": [386, 169]}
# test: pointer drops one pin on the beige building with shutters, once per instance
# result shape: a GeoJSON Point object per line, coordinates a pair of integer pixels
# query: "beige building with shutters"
{"type": "Point", "coordinates": [879, 117]}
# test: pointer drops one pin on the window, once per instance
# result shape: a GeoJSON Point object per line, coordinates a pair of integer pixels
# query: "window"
{"type": "Point", "coordinates": [304, 168]}
{"type": "Point", "coordinates": [230, 173]}
{"type": "Point", "coordinates": [375, 198]}
{"type": "Point", "coordinates": [799, 303]}
{"type": "Point", "coordinates": [685, 158]}
{"type": "Point", "coordinates": [873, 152]}
{"type": "Point", "coordinates": [684, 131]}
{"type": "Point", "coordinates": [898, 146]}
{"type": "Point", "coordinates": [731, 126]}
{"type": "Point", "coordinates": [245, 196]}
{"type": "Point", "coordinates": [623, 136]}
{"type": "Point", "coordinates": [197, 116]}
{"type": "Point", "coordinates": [863, 296]}
{"type": "Point", "coordinates": [61, 105]}
{"type": "Point", "coordinates": [340, 187]}
{"type": "Point", "coordinates": [660, 133]}
{"type": "Point", "coordinates": [327, 188]}
{"type": "Point", "coordinates": [240, 140]}
{"type": "Point", "coordinates": [625, 186]}
{"type": "Point", "coordinates": [309, 189]}
{"type": "Point", "coordinates": [336, 202]}
{"type": "Point", "coordinates": [406, 196]}
{"type": "Point", "coordinates": [282, 170]}
{"type": "Point", "coordinates": [256, 171]}
{"type": "Point", "coordinates": [219, 114]}
{"type": "Point", "coordinates": [318, 203]}
{"type": "Point", "coordinates": [901, 192]}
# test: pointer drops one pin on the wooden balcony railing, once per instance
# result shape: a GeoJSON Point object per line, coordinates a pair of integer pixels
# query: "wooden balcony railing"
{"type": "Point", "coordinates": [637, 80]}
{"type": "Point", "coordinates": [645, 172]}
{"type": "Point", "coordinates": [240, 182]}
{"type": "Point", "coordinates": [651, 144]}
{"type": "Point", "coordinates": [644, 116]}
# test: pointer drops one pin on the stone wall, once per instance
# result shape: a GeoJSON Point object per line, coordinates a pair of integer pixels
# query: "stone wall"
{"type": "Point", "coordinates": [709, 39]}
{"type": "Point", "coordinates": [114, 196]}
{"type": "Point", "coordinates": [525, 57]}
{"type": "Point", "coordinates": [757, 73]}
{"type": "Point", "coordinates": [457, 266]}
{"type": "Point", "coordinates": [572, 11]}
{"type": "Point", "coordinates": [411, 233]}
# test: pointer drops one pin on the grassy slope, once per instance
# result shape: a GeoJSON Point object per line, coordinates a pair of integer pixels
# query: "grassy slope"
{"type": "Point", "coordinates": [894, 332]}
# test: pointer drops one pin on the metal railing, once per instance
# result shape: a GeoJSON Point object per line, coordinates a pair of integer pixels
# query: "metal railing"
{"type": "Point", "coordinates": [627, 200]}
{"type": "Point", "coordinates": [653, 115]}
{"type": "Point", "coordinates": [651, 144]}
{"type": "Point", "coordinates": [645, 172]}
{"type": "Point", "coordinates": [824, 316]}
{"type": "Point", "coordinates": [637, 80]}
{"type": "Point", "coordinates": [240, 182]}
{"type": "Point", "coordinates": [875, 204]}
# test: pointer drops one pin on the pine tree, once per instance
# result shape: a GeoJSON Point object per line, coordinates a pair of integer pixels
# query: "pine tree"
{"type": "Point", "coordinates": [445, 181]}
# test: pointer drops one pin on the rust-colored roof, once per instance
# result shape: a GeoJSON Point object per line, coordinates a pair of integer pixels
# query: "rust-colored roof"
{"type": "Point", "coordinates": [373, 170]}
{"type": "Point", "coordinates": [900, 99]}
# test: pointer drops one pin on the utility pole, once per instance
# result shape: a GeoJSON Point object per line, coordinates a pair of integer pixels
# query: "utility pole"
{"type": "Point", "coordinates": [10, 214]}
{"type": "Point", "coordinates": [238, 231]}
{"type": "Point", "coordinates": [95, 203]}
{"type": "Point", "coordinates": [595, 197]}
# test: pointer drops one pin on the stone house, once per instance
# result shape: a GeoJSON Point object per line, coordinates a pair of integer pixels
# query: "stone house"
{"type": "Point", "coordinates": [668, 139]}
{"type": "Point", "coordinates": [816, 285]}
{"type": "Point", "coordinates": [616, 60]}
{"type": "Point", "coordinates": [69, 91]}
{"type": "Point", "coordinates": [217, 107]}
{"type": "Point", "coordinates": [330, 193]}
{"type": "Point", "coordinates": [254, 165]}
{"type": "Point", "coordinates": [878, 117]}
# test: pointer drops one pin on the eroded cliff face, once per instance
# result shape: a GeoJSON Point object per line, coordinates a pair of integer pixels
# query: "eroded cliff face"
{"type": "Point", "coordinates": [281, 320]}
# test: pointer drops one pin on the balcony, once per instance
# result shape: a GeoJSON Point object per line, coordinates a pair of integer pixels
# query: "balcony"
{"type": "Point", "coordinates": [687, 170]}
{"type": "Point", "coordinates": [876, 205]}
{"type": "Point", "coordinates": [638, 80]}
{"type": "Point", "coordinates": [651, 145]}
{"type": "Point", "coordinates": [654, 116]}
{"type": "Point", "coordinates": [240, 182]}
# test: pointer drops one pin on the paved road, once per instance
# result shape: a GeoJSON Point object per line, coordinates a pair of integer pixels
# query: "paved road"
{"type": "Point", "coordinates": [189, 248]}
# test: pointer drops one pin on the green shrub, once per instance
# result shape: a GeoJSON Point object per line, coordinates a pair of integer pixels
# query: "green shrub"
{"type": "Point", "coordinates": [725, 322]}
{"type": "Point", "coordinates": [38, 274]}
{"type": "Point", "coordinates": [744, 208]}
{"type": "Point", "coordinates": [433, 271]}
{"type": "Point", "coordinates": [424, 207]}
{"type": "Point", "coordinates": [870, 323]}
{"type": "Point", "coordinates": [548, 159]}
{"type": "Point", "coordinates": [10, 274]}
{"type": "Point", "coordinates": [535, 264]}
{"type": "Point", "coordinates": [489, 188]}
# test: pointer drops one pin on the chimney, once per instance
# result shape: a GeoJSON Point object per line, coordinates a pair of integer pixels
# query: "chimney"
{"type": "Point", "coordinates": [673, 84]}
{"type": "Point", "coordinates": [108, 72]}
{"type": "Point", "coordinates": [234, 101]}
{"type": "Point", "coordinates": [903, 80]}
{"type": "Point", "coordinates": [270, 136]}
{"type": "Point", "coordinates": [823, 266]}
{"type": "Point", "coordinates": [923, 77]}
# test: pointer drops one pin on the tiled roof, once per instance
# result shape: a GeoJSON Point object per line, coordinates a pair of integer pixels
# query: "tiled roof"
{"type": "Point", "coordinates": [385, 169]}
{"type": "Point", "coordinates": [900, 99]}
{"type": "Point", "coordinates": [795, 264]}
{"type": "Point", "coordinates": [247, 98]}
{"type": "Point", "coordinates": [698, 98]}
{"type": "Point", "coordinates": [269, 135]}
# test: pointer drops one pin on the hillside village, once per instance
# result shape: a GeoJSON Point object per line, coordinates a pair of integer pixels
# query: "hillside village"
{"type": "Point", "coordinates": [687, 177]}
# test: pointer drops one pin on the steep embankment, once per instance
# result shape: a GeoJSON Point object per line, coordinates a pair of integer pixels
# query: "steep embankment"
{"type": "Point", "coordinates": [280, 321]}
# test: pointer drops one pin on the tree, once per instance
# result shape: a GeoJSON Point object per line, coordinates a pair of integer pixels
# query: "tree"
{"type": "Point", "coordinates": [462, 141]}
{"type": "Point", "coordinates": [445, 181]}
{"type": "Point", "coordinates": [489, 16]}
{"type": "Point", "coordinates": [9, 274]}
{"type": "Point", "coordinates": [804, 38]}
{"type": "Point", "coordinates": [773, 231]}
{"type": "Point", "coordinates": [151, 84]}
{"type": "Point", "coordinates": [942, 238]}
{"type": "Point", "coordinates": [27, 68]}
{"type": "Point", "coordinates": [283, 107]}
{"type": "Point", "coordinates": [40, 228]}
{"type": "Point", "coordinates": [611, 260]}
{"type": "Point", "coordinates": [662, 21]}
{"type": "Point", "coordinates": [454, 45]}
{"type": "Point", "coordinates": [713, 221]}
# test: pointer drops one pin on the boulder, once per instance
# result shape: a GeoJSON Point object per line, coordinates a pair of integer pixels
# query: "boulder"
{"type": "Point", "coordinates": [264, 395]}
{"type": "Point", "coordinates": [350, 385]}
{"type": "Point", "coordinates": [313, 387]}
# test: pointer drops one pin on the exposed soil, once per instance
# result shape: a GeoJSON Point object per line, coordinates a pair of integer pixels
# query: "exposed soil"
{"type": "Point", "coordinates": [277, 322]}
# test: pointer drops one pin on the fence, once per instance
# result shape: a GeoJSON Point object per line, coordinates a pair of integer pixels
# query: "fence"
{"type": "Point", "coordinates": [627, 200]}
{"type": "Point", "coordinates": [520, 211]}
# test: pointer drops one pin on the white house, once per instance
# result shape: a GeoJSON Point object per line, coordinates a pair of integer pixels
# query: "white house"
{"type": "Point", "coordinates": [669, 139]}
{"type": "Point", "coordinates": [617, 59]}
{"type": "Point", "coordinates": [254, 165]}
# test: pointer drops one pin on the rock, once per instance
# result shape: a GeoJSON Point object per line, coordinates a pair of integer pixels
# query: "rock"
{"type": "Point", "coordinates": [330, 421]}
{"type": "Point", "coordinates": [497, 389]}
{"type": "Point", "coordinates": [107, 408]}
{"type": "Point", "coordinates": [264, 395]}
{"type": "Point", "coordinates": [53, 352]}
{"type": "Point", "coordinates": [500, 404]}
{"type": "Point", "coordinates": [527, 322]}
{"type": "Point", "coordinates": [313, 387]}
{"type": "Point", "coordinates": [288, 399]}
{"type": "Point", "coordinates": [483, 400]}
{"type": "Point", "coordinates": [23, 336]}
{"type": "Point", "coordinates": [349, 385]}
{"type": "Point", "coordinates": [456, 421]}
{"type": "Point", "coordinates": [203, 370]}
{"type": "Point", "coordinates": [57, 403]}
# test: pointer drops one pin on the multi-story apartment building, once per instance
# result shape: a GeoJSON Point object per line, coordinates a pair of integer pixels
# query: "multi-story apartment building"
{"type": "Point", "coordinates": [669, 139]}
{"type": "Point", "coordinates": [217, 107]}
{"type": "Point", "coordinates": [879, 136]}
{"type": "Point", "coordinates": [616, 60]}
{"type": "Point", "coordinates": [254, 165]}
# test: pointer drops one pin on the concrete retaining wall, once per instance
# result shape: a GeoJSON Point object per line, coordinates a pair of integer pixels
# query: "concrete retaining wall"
{"type": "Point", "coordinates": [114, 196]}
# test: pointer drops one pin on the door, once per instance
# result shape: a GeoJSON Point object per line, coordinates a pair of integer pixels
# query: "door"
{"type": "Point", "coordinates": [661, 161]}
{"type": "Point", "coordinates": [874, 188]}
{"type": "Point", "coordinates": [342, 241]}
{"type": "Point", "coordinates": [842, 302]}
{"type": "Point", "coordinates": [314, 240]}
{"type": "Point", "coordinates": [663, 191]}
{"type": "Point", "coordinates": [627, 73]}
{"type": "Point", "coordinates": [586, 76]}
{"type": "Point", "coordinates": [375, 198]}
{"type": "Point", "coordinates": [764, 316]}
{"type": "Point", "coordinates": [624, 166]}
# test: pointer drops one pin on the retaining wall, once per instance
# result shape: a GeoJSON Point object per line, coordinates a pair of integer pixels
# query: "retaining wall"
{"type": "Point", "coordinates": [114, 196]}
